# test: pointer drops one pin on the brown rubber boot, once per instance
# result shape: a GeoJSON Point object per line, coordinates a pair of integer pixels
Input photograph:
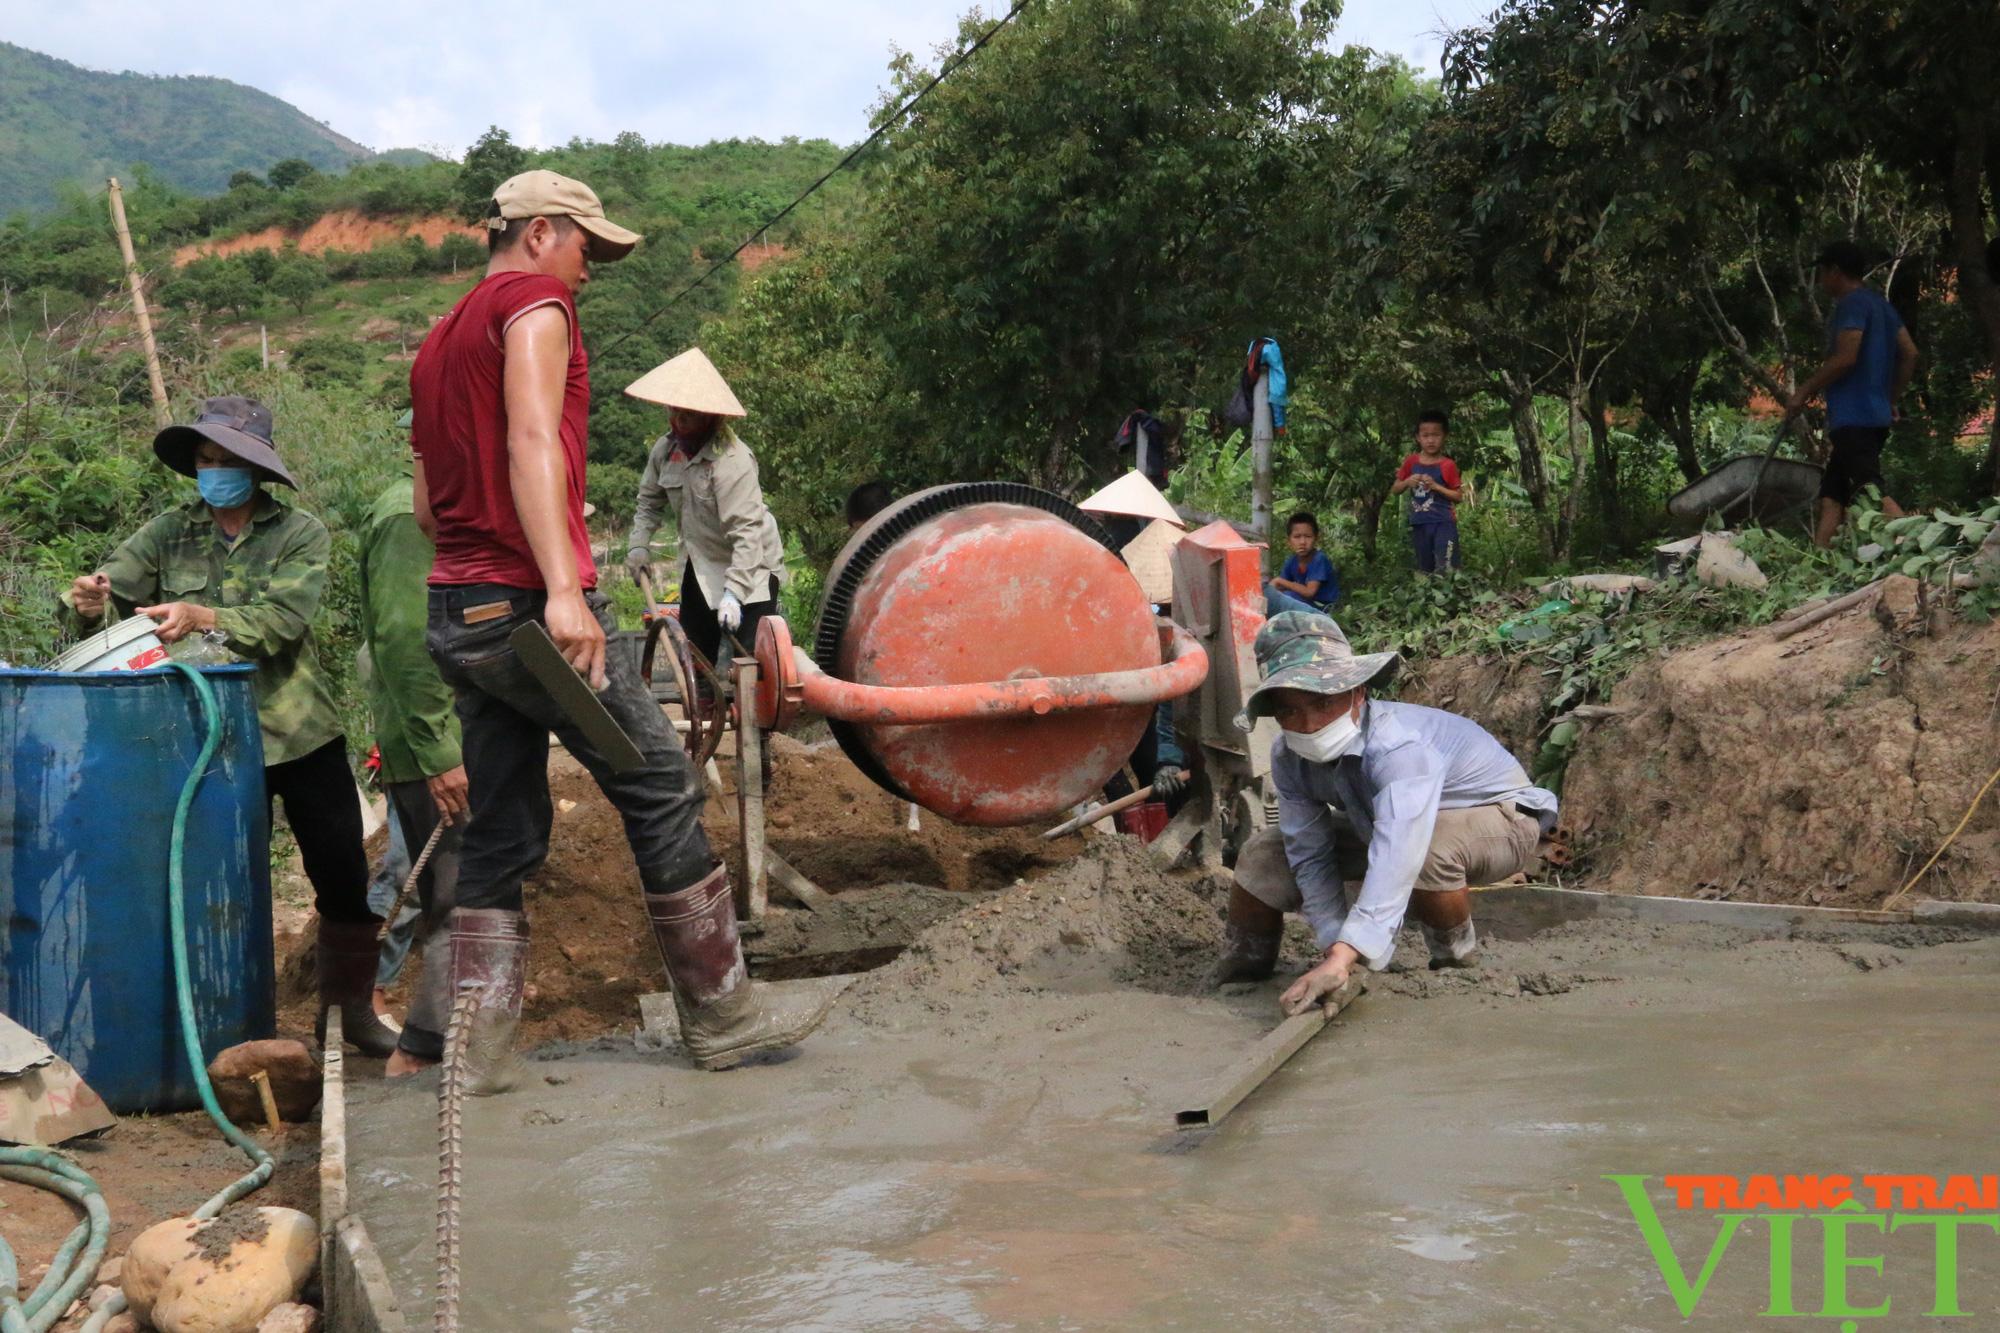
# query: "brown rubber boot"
{"type": "Point", "coordinates": [1250, 940]}
{"type": "Point", "coordinates": [724, 1015]}
{"type": "Point", "coordinates": [347, 955]}
{"type": "Point", "coordinates": [489, 954]}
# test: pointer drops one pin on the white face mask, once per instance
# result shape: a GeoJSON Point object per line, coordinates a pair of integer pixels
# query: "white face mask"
{"type": "Point", "coordinates": [1339, 737]}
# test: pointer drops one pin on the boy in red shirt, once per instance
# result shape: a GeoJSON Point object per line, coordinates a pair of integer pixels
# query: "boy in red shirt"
{"type": "Point", "coordinates": [1433, 479]}
{"type": "Point", "coordinates": [500, 394]}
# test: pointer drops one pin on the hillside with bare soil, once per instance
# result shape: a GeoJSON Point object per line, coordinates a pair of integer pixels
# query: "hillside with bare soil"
{"type": "Point", "coordinates": [344, 229]}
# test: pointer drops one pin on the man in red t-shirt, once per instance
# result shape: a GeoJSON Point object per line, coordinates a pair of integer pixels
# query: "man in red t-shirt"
{"type": "Point", "coordinates": [500, 394]}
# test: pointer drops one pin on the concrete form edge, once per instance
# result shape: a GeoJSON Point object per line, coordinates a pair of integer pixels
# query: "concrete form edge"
{"type": "Point", "coordinates": [353, 1281]}
{"type": "Point", "coordinates": [1571, 903]}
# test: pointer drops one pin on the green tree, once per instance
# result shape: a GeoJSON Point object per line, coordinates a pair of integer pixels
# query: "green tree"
{"type": "Point", "coordinates": [291, 173]}
{"type": "Point", "coordinates": [493, 157]}
{"type": "Point", "coordinates": [297, 279]}
{"type": "Point", "coordinates": [1064, 229]}
{"type": "Point", "coordinates": [245, 180]}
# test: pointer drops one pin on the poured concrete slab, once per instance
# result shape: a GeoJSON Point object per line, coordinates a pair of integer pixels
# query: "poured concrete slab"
{"type": "Point", "coordinates": [1434, 1160]}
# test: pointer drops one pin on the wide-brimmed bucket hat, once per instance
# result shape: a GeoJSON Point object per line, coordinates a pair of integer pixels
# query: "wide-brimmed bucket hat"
{"type": "Point", "coordinates": [1303, 650]}
{"type": "Point", "coordinates": [691, 382]}
{"type": "Point", "coordinates": [240, 425]}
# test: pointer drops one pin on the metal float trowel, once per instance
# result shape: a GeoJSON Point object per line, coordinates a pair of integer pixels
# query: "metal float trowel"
{"type": "Point", "coordinates": [572, 693]}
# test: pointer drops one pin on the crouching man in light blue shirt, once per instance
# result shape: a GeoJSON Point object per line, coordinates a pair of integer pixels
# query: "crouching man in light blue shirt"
{"type": "Point", "coordinates": [1383, 809]}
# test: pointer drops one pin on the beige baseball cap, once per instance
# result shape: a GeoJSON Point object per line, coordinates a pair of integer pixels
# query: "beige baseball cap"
{"type": "Point", "coordinates": [544, 194]}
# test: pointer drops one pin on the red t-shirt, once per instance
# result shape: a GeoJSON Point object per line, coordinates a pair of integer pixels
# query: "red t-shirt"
{"type": "Point", "coordinates": [1425, 507]}
{"type": "Point", "coordinates": [458, 430]}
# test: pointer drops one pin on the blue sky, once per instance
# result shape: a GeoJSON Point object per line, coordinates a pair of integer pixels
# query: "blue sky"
{"type": "Point", "coordinates": [427, 74]}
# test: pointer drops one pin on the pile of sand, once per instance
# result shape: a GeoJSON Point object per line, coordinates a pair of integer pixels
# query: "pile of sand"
{"type": "Point", "coordinates": [593, 955]}
{"type": "Point", "coordinates": [1112, 919]}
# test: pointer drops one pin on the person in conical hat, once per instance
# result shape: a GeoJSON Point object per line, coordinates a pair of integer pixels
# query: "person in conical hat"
{"type": "Point", "coordinates": [733, 557]}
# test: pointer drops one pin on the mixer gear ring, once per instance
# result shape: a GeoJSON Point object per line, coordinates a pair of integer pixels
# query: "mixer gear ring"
{"type": "Point", "coordinates": [873, 541]}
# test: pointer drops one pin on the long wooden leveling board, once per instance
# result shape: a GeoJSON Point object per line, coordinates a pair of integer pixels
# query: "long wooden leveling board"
{"type": "Point", "coordinates": [1267, 1057]}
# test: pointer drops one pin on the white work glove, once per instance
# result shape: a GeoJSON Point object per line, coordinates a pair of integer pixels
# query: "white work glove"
{"type": "Point", "coordinates": [729, 615]}
{"type": "Point", "coordinates": [638, 560]}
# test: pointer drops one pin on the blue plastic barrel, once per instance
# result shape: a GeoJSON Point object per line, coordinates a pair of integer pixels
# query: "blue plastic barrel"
{"type": "Point", "coordinates": [91, 766]}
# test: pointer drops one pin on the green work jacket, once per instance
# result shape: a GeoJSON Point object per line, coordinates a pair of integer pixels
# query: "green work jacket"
{"type": "Point", "coordinates": [415, 727]}
{"type": "Point", "coordinates": [264, 588]}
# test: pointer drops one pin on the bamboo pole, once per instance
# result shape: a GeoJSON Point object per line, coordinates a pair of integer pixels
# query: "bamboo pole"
{"type": "Point", "coordinates": [1095, 813]}
{"type": "Point", "coordinates": [162, 413]}
{"type": "Point", "coordinates": [1829, 610]}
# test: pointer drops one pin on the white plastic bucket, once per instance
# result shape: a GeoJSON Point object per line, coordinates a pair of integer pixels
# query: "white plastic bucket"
{"type": "Point", "coordinates": [130, 645]}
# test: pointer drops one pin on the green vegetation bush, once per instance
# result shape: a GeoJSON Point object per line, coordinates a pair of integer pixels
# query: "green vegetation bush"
{"type": "Point", "coordinates": [328, 361]}
{"type": "Point", "coordinates": [388, 260]}
{"type": "Point", "coordinates": [614, 489]}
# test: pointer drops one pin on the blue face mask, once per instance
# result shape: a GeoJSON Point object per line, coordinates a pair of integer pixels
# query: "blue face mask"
{"type": "Point", "coordinates": [226, 487]}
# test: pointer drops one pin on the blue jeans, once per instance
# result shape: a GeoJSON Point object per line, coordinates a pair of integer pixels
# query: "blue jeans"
{"type": "Point", "coordinates": [382, 890]}
{"type": "Point", "coordinates": [1277, 599]}
{"type": "Point", "coordinates": [1436, 546]}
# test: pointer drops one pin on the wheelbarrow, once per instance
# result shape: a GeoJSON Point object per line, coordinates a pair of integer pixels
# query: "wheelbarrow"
{"type": "Point", "coordinates": [1749, 486]}
{"type": "Point", "coordinates": [1759, 488]}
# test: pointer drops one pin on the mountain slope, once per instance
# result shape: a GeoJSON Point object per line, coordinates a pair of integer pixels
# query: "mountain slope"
{"type": "Point", "coordinates": [62, 123]}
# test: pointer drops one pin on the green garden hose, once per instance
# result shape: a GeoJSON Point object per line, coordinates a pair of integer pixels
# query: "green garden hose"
{"type": "Point", "coordinates": [68, 1274]}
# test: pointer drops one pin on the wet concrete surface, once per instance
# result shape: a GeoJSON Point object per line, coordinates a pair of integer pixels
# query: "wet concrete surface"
{"type": "Point", "coordinates": [1434, 1160]}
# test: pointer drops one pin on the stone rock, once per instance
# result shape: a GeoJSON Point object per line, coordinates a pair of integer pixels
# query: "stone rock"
{"type": "Point", "coordinates": [111, 1270]}
{"type": "Point", "coordinates": [124, 1323]}
{"type": "Point", "coordinates": [294, 1075]}
{"type": "Point", "coordinates": [150, 1257]}
{"type": "Point", "coordinates": [290, 1318]}
{"type": "Point", "coordinates": [246, 1264]}
{"type": "Point", "coordinates": [1612, 585]}
{"type": "Point", "coordinates": [1721, 565]}
{"type": "Point", "coordinates": [101, 1295]}
{"type": "Point", "coordinates": [1899, 605]}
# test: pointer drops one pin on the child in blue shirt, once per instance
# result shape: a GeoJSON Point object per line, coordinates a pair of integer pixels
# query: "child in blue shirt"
{"type": "Point", "coordinates": [1308, 582]}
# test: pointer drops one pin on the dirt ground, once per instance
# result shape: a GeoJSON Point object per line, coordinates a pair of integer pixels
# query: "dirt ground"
{"type": "Point", "coordinates": [1823, 769]}
{"type": "Point", "coordinates": [593, 954]}
{"type": "Point", "coordinates": [151, 1168]}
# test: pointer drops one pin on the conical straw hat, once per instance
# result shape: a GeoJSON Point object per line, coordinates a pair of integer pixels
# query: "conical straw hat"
{"type": "Point", "coordinates": [1132, 494]}
{"type": "Point", "coordinates": [689, 381]}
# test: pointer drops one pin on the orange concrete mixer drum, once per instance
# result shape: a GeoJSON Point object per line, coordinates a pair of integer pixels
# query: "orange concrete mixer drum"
{"type": "Point", "coordinates": [983, 651]}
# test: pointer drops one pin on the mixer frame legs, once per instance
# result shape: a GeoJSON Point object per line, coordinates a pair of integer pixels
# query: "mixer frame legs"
{"type": "Point", "coordinates": [753, 894]}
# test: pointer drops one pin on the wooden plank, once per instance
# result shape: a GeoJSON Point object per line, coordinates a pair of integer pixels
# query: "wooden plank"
{"type": "Point", "coordinates": [789, 878]}
{"type": "Point", "coordinates": [359, 1296]}
{"type": "Point", "coordinates": [332, 1129]}
{"type": "Point", "coordinates": [1536, 906]}
{"type": "Point", "coordinates": [1267, 1057]}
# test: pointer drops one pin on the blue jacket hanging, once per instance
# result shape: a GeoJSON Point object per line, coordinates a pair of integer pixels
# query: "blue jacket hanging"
{"type": "Point", "coordinates": [1265, 356]}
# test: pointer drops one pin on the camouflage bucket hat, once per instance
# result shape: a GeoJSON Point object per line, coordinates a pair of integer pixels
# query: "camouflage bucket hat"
{"type": "Point", "coordinates": [1302, 650]}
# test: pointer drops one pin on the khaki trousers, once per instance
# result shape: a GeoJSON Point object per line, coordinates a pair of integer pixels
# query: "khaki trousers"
{"type": "Point", "coordinates": [1481, 845]}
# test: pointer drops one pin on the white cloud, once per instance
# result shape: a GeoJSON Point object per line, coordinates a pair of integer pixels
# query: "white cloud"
{"type": "Point", "coordinates": [423, 73]}
{"type": "Point", "coordinates": [1412, 29]}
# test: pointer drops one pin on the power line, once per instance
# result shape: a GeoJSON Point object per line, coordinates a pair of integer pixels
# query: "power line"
{"type": "Point", "coordinates": [944, 72]}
